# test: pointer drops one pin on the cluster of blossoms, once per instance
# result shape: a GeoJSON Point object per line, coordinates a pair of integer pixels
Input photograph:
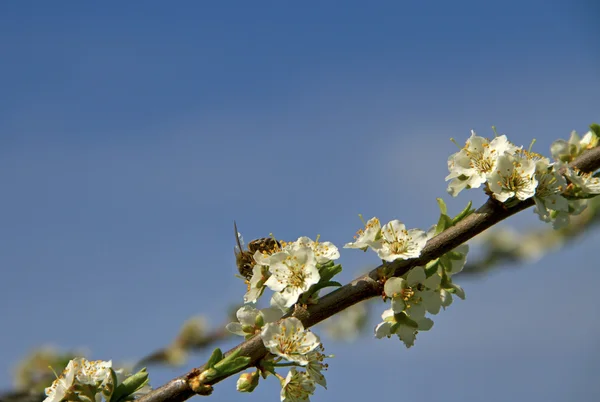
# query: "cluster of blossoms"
{"type": "Point", "coordinates": [511, 174]}
{"type": "Point", "coordinates": [289, 344]}
{"type": "Point", "coordinates": [295, 272]}
{"type": "Point", "coordinates": [291, 269]}
{"type": "Point", "coordinates": [298, 270]}
{"type": "Point", "coordinates": [96, 381]}
{"type": "Point", "coordinates": [422, 289]}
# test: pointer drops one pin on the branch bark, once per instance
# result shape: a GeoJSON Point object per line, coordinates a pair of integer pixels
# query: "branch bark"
{"type": "Point", "coordinates": [369, 285]}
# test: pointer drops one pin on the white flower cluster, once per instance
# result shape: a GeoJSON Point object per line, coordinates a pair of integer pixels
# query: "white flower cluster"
{"type": "Point", "coordinates": [289, 271]}
{"type": "Point", "coordinates": [296, 271]}
{"type": "Point", "coordinates": [511, 174]}
{"type": "Point", "coordinates": [390, 242]}
{"type": "Point", "coordinates": [290, 345]}
{"type": "Point", "coordinates": [290, 341]}
{"type": "Point", "coordinates": [84, 380]}
{"type": "Point", "coordinates": [422, 290]}
{"type": "Point", "coordinates": [251, 320]}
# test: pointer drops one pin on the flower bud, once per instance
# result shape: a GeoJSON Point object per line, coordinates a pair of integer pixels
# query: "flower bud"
{"type": "Point", "coordinates": [247, 382]}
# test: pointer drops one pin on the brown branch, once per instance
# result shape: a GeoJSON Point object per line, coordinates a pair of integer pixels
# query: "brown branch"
{"type": "Point", "coordinates": [551, 239]}
{"type": "Point", "coordinates": [369, 285]}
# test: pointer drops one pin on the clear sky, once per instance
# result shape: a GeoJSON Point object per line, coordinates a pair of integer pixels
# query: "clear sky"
{"type": "Point", "coordinates": [132, 134]}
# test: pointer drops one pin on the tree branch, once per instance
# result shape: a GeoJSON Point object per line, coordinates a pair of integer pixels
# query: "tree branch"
{"type": "Point", "coordinates": [369, 285]}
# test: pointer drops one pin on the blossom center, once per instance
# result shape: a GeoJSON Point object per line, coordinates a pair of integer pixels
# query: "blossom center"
{"type": "Point", "coordinates": [514, 180]}
{"type": "Point", "coordinates": [481, 163]}
{"type": "Point", "coordinates": [398, 244]}
{"type": "Point", "coordinates": [297, 274]}
{"type": "Point", "coordinates": [291, 344]}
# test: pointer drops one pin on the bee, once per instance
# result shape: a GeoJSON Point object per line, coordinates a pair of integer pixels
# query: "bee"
{"type": "Point", "coordinates": [244, 259]}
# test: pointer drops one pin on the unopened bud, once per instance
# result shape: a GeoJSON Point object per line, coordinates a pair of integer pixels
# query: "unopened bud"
{"type": "Point", "coordinates": [247, 382]}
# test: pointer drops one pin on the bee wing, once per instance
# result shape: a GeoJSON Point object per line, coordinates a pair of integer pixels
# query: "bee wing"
{"type": "Point", "coordinates": [237, 239]}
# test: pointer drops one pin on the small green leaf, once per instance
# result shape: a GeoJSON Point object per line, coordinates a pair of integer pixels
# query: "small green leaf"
{"type": "Point", "coordinates": [328, 284]}
{"type": "Point", "coordinates": [210, 374]}
{"type": "Point", "coordinates": [442, 205]}
{"type": "Point", "coordinates": [109, 389]}
{"type": "Point", "coordinates": [315, 288]}
{"type": "Point", "coordinates": [326, 265]}
{"type": "Point", "coordinates": [130, 385]}
{"type": "Point", "coordinates": [595, 127]}
{"type": "Point", "coordinates": [236, 364]}
{"type": "Point", "coordinates": [432, 267]}
{"type": "Point", "coordinates": [225, 362]}
{"type": "Point", "coordinates": [329, 271]}
{"type": "Point", "coordinates": [215, 357]}
{"type": "Point", "coordinates": [463, 214]}
{"type": "Point", "coordinates": [446, 262]}
{"type": "Point", "coordinates": [455, 255]}
{"type": "Point", "coordinates": [443, 223]}
{"type": "Point", "coordinates": [402, 318]}
{"type": "Point", "coordinates": [229, 365]}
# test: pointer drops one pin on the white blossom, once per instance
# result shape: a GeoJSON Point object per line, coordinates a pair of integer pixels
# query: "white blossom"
{"type": "Point", "coordinates": [289, 340]}
{"type": "Point", "coordinates": [249, 319]}
{"type": "Point", "coordinates": [84, 380]}
{"type": "Point", "coordinates": [256, 284]}
{"type": "Point", "coordinates": [566, 151]}
{"type": "Point", "coordinates": [63, 384]}
{"type": "Point", "coordinates": [414, 295]}
{"type": "Point", "coordinates": [550, 205]}
{"type": "Point", "coordinates": [399, 243]}
{"type": "Point", "coordinates": [297, 387]}
{"type": "Point", "coordinates": [447, 292]}
{"type": "Point", "coordinates": [457, 264]}
{"type": "Point", "coordinates": [513, 176]}
{"type": "Point", "coordinates": [370, 236]}
{"type": "Point", "coordinates": [315, 366]}
{"type": "Point", "coordinates": [94, 372]}
{"type": "Point", "coordinates": [471, 166]}
{"type": "Point", "coordinates": [293, 271]}
{"type": "Point", "coordinates": [585, 182]}
{"type": "Point", "coordinates": [324, 251]}
{"type": "Point", "coordinates": [401, 325]}
{"type": "Point", "coordinates": [79, 371]}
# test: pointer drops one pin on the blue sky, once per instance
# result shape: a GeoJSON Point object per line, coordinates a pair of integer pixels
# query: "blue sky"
{"type": "Point", "coordinates": [131, 136]}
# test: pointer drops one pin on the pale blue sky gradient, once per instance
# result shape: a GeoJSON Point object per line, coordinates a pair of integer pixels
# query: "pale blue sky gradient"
{"type": "Point", "coordinates": [132, 135]}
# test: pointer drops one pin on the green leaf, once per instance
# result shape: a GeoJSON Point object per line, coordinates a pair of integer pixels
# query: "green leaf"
{"type": "Point", "coordinates": [443, 223]}
{"type": "Point", "coordinates": [402, 318]}
{"type": "Point", "coordinates": [463, 214]}
{"type": "Point", "coordinates": [130, 385]}
{"type": "Point", "coordinates": [329, 271]}
{"type": "Point", "coordinates": [109, 389]}
{"type": "Point", "coordinates": [327, 264]}
{"type": "Point", "coordinates": [595, 127]}
{"type": "Point", "coordinates": [327, 284]}
{"type": "Point", "coordinates": [315, 288]}
{"type": "Point", "coordinates": [432, 267]}
{"type": "Point", "coordinates": [236, 364]}
{"type": "Point", "coordinates": [215, 357]}
{"type": "Point", "coordinates": [446, 262]}
{"type": "Point", "coordinates": [454, 255]}
{"type": "Point", "coordinates": [229, 365]}
{"type": "Point", "coordinates": [442, 205]}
